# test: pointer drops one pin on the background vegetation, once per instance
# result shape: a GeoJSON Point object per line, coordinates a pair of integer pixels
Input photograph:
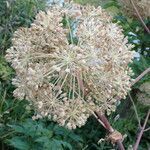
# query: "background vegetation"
{"type": "Point", "coordinates": [19, 131]}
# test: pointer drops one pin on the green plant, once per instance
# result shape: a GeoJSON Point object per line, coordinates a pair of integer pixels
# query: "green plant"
{"type": "Point", "coordinates": [19, 131]}
{"type": "Point", "coordinates": [5, 70]}
{"type": "Point", "coordinates": [16, 13]}
{"type": "Point", "coordinates": [38, 135]}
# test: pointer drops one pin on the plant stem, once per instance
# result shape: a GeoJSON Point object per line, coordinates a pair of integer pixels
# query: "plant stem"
{"type": "Point", "coordinates": [140, 18]}
{"type": "Point", "coordinates": [120, 145]}
{"type": "Point", "coordinates": [135, 110]}
{"type": "Point", "coordinates": [141, 132]}
{"type": "Point", "coordinates": [70, 31]}
{"type": "Point", "coordinates": [147, 129]}
{"type": "Point", "coordinates": [141, 76]}
{"type": "Point", "coordinates": [109, 128]}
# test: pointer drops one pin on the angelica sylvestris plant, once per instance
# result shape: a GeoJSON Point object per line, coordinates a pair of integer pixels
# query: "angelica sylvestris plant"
{"type": "Point", "coordinates": [72, 61]}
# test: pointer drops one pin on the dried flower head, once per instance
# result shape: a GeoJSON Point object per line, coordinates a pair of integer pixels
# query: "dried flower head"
{"type": "Point", "coordinates": [71, 62]}
{"type": "Point", "coordinates": [143, 6]}
{"type": "Point", "coordinates": [144, 95]}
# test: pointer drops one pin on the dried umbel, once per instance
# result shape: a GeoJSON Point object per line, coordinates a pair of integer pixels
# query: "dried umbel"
{"type": "Point", "coordinates": [144, 95]}
{"type": "Point", "coordinates": [68, 71]}
{"type": "Point", "coordinates": [143, 7]}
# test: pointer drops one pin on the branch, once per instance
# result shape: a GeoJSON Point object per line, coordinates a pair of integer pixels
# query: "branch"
{"type": "Point", "coordinates": [147, 129]}
{"type": "Point", "coordinates": [140, 18]}
{"type": "Point", "coordinates": [141, 132]}
{"type": "Point", "coordinates": [142, 129]}
{"type": "Point", "coordinates": [141, 76]}
{"type": "Point", "coordinates": [115, 136]}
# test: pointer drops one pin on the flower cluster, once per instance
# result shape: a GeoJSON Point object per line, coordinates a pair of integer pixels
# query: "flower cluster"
{"type": "Point", "coordinates": [141, 5]}
{"type": "Point", "coordinates": [68, 74]}
{"type": "Point", "coordinates": [143, 95]}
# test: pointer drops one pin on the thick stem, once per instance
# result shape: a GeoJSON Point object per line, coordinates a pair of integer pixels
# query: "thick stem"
{"type": "Point", "coordinates": [109, 128]}
{"type": "Point", "coordinates": [120, 145]}
{"type": "Point", "coordinates": [141, 132]}
{"type": "Point", "coordinates": [105, 121]}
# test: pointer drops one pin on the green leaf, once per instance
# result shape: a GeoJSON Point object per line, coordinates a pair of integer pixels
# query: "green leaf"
{"type": "Point", "coordinates": [42, 139]}
{"type": "Point", "coordinates": [17, 128]}
{"type": "Point", "coordinates": [66, 145]}
{"type": "Point", "coordinates": [59, 144]}
{"type": "Point", "coordinates": [19, 143]}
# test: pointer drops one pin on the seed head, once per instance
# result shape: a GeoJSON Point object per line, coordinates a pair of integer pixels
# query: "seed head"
{"type": "Point", "coordinates": [70, 64]}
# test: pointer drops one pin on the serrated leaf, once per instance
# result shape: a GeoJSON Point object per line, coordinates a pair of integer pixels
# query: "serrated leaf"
{"type": "Point", "coordinates": [17, 128]}
{"type": "Point", "coordinates": [66, 145]}
{"type": "Point", "coordinates": [19, 143]}
{"type": "Point", "coordinates": [75, 137]}
{"type": "Point", "coordinates": [53, 145]}
{"type": "Point", "coordinates": [42, 139]}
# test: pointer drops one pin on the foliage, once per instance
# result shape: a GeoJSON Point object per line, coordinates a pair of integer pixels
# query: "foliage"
{"type": "Point", "coordinates": [16, 13]}
{"type": "Point", "coordinates": [38, 135]}
{"type": "Point", "coordinates": [5, 70]}
{"type": "Point", "coordinates": [19, 131]}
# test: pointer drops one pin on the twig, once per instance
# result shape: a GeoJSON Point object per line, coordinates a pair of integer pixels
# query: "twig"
{"type": "Point", "coordinates": [109, 128]}
{"type": "Point", "coordinates": [139, 16]}
{"type": "Point", "coordinates": [147, 129]}
{"type": "Point", "coordinates": [136, 113]}
{"type": "Point", "coordinates": [141, 76]}
{"type": "Point", "coordinates": [141, 132]}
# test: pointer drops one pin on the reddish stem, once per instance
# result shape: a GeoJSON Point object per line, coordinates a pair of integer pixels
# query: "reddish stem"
{"type": "Point", "coordinates": [141, 132]}
{"type": "Point", "coordinates": [109, 128]}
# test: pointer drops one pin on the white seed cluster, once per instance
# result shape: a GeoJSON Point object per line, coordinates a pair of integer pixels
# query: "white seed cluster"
{"type": "Point", "coordinates": [65, 80]}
